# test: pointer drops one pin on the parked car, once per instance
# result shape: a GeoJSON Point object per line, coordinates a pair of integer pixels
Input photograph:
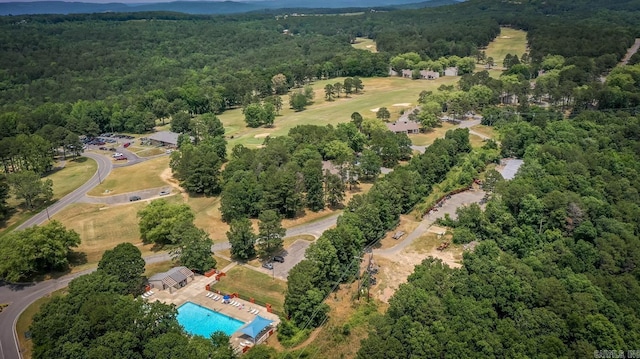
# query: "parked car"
{"type": "Point", "coordinates": [117, 154]}
{"type": "Point", "coordinates": [164, 193]}
{"type": "Point", "coordinates": [121, 158]}
{"type": "Point", "coordinates": [134, 198]}
{"type": "Point", "coordinates": [127, 144]}
{"type": "Point", "coordinates": [267, 265]}
{"type": "Point", "coordinates": [279, 259]}
{"type": "Point", "coordinates": [112, 149]}
{"type": "Point", "coordinates": [102, 148]}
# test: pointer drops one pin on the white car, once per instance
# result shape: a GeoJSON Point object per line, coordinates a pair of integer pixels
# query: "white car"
{"type": "Point", "coordinates": [117, 154]}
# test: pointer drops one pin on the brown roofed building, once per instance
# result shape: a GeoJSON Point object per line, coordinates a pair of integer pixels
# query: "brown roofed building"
{"type": "Point", "coordinates": [404, 126]}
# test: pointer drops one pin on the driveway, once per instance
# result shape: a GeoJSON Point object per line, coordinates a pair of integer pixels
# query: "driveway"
{"type": "Point", "coordinates": [450, 206]}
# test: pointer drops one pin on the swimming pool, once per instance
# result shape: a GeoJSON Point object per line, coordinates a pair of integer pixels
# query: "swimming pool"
{"type": "Point", "coordinates": [198, 320]}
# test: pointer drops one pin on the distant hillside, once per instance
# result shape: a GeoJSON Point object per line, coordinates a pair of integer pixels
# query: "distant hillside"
{"type": "Point", "coordinates": [207, 7]}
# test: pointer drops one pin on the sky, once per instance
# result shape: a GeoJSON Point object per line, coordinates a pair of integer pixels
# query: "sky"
{"type": "Point", "coordinates": [121, 1]}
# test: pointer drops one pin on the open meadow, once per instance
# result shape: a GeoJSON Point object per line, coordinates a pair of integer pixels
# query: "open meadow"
{"type": "Point", "coordinates": [140, 176]}
{"type": "Point", "coordinates": [364, 43]}
{"type": "Point", "coordinates": [510, 41]}
{"type": "Point", "coordinates": [378, 92]}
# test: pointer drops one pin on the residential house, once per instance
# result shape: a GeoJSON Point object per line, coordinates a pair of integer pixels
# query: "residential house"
{"type": "Point", "coordinates": [407, 73]}
{"type": "Point", "coordinates": [429, 75]}
{"type": "Point", "coordinates": [404, 126]}
{"type": "Point", "coordinates": [451, 71]}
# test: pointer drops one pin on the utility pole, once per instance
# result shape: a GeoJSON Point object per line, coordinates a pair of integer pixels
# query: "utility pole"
{"type": "Point", "coordinates": [369, 275]}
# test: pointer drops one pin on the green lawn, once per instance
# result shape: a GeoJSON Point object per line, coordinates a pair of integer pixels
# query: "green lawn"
{"type": "Point", "coordinates": [252, 284]}
{"type": "Point", "coordinates": [378, 92]}
{"type": "Point", "coordinates": [363, 43]}
{"type": "Point", "coordinates": [65, 180]}
{"type": "Point", "coordinates": [133, 178]}
{"type": "Point", "coordinates": [74, 174]}
{"type": "Point", "coordinates": [102, 227]}
{"type": "Point", "coordinates": [510, 41]}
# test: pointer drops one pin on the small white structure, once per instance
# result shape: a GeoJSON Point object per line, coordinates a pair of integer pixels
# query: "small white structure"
{"type": "Point", "coordinates": [174, 278]}
{"type": "Point", "coordinates": [451, 71]}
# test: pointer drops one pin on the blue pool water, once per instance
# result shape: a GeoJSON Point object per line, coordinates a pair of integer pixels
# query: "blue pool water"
{"type": "Point", "coordinates": [198, 320]}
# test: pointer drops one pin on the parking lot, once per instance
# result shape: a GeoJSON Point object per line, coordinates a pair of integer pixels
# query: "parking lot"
{"type": "Point", "coordinates": [292, 256]}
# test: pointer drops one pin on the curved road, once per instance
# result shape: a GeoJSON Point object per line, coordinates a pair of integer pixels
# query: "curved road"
{"type": "Point", "coordinates": [104, 168]}
{"type": "Point", "coordinates": [20, 296]}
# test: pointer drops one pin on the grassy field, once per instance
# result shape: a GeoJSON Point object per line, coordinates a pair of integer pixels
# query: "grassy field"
{"type": "Point", "coordinates": [378, 92]}
{"type": "Point", "coordinates": [74, 174]}
{"type": "Point", "coordinates": [510, 41]}
{"type": "Point", "coordinates": [133, 178]}
{"type": "Point", "coordinates": [363, 43]}
{"type": "Point", "coordinates": [485, 130]}
{"type": "Point", "coordinates": [101, 228]}
{"type": "Point", "coordinates": [251, 284]}
{"type": "Point", "coordinates": [65, 180]}
{"type": "Point", "coordinates": [427, 138]}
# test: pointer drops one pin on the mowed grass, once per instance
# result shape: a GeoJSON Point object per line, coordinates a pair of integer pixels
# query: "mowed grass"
{"type": "Point", "coordinates": [65, 181]}
{"type": "Point", "coordinates": [378, 92]}
{"type": "Point", "coordinates": [101, 228]}
{"type": "Point", "coordinates": [485, 130]}
{"type": "Point", "coordinates": [251, 284]}
{"type": "Point", "coordinates": [362, 43]}
{"type": "Point", "coordinates": [74, 174]}
{"type": "Point", "coordinates": [427, 138]}
{"type": "Point", "coordinates": [140, 176]}
{"type": "Point", "coordinates": [510, 41]}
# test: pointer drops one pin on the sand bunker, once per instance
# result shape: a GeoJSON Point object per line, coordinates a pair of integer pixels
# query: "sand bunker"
{"type": "Point", "coordinates": [261, 135]}
{"type": "Point", "coordinates": [404, 104]}
{"type": "Point", "coordinates": [375, 109]}
{"type": "Point", "coordinates": [505, 37]}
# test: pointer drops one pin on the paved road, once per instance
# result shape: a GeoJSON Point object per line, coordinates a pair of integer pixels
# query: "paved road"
{"type": "Point", "coordinates": [21, 296]}
{"type": "Point", "coordinates": [104, 168]}
{"type": "Point", "coordinates": [449, 206]}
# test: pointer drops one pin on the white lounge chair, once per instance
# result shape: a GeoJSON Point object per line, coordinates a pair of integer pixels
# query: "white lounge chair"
{"type": "Point", "coordinates": [209, 295]}
{"type": "Point", "coordinates": [217, 298]}
{"type": "Point", "coordinates": [255, 311]}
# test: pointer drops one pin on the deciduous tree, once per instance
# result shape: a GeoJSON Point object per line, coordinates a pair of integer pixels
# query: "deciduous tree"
{"type": "Point", "coordinates": [270, 233]}
{"type": "Point", "coordinates": [242, 239]}
{"type": "Point", "coordinates": [124, 262]}
{"type": "Point", "coordinates": [27, 185]}
{"type": "Point", "coordinates": [158, 219]}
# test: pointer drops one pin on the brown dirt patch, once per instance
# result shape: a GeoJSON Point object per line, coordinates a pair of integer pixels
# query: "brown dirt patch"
{"type": "Point", "coordinates": [407, 225]}
{"type": "Point", "coordinates": [262, 135]}
{"type": "Point", "coordinates": [394, 269]}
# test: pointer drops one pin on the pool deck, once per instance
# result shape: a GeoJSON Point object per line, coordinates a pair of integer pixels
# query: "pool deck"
{"type": "Point", "coordinates": [195, 292]}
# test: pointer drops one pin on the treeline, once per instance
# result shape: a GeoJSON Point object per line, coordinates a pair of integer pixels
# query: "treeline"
{"type": "Point", "coordinates": [100, 317]}
{"type": "Point", "coordinates": [287, 174]}
{"type": "Point", "coordinates": [146, 66]}
{"type": "Point", "coordinates": [557, 259]}
{"type": "Point", "coordinates": [335, 257]}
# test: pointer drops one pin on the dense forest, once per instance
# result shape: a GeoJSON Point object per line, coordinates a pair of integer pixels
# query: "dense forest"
{"type": "Point", "coordinates": [556, 269]}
